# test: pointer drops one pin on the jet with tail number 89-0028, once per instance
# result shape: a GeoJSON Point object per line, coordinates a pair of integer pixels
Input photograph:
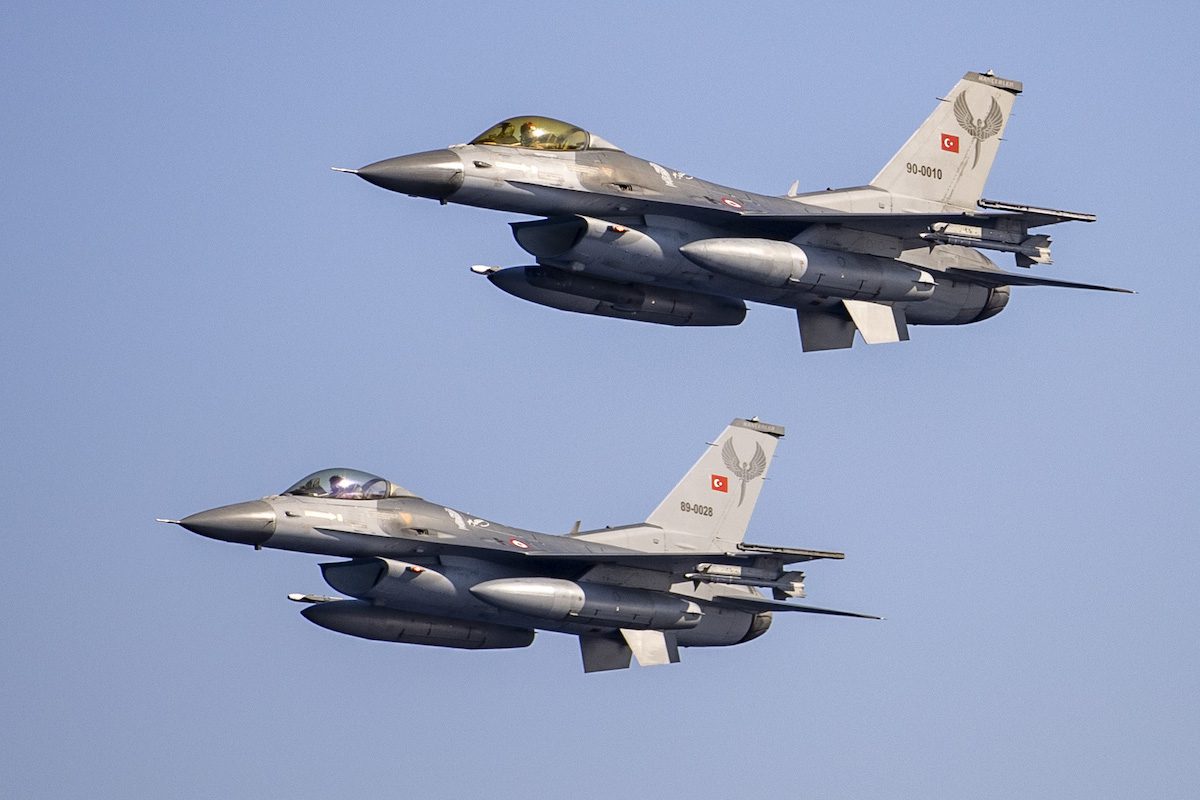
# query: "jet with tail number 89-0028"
{"type": "Point", "coordinates": [423, 573]}
{"type": "Point", "coordinates": [625, 237]}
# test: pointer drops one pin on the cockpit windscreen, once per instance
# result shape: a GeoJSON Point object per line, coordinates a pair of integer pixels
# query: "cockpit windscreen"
{"type": "Point", "coordinates": [540, 133]}
{"type": "Point", "coordinates": [346, 484]}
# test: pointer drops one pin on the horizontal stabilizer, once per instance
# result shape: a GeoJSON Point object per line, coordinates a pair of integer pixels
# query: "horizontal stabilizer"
{"type": "Point", "coordinates": [759, 604]}
{"type": "Point", "coordinates": [791, 555]}
{"type": "Point", "coordinates": [1000, 278]}
{"type": "Point", "coordinates": [1034, 217]}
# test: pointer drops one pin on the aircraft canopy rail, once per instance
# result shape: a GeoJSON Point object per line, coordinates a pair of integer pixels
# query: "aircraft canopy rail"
{"type": "Point", "coordinates": [541, 133]}
{"type": "Point", "coordinates": [346, 484]}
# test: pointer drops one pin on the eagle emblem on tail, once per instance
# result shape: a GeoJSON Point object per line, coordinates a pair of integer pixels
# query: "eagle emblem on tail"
{"type": "Point", "coordinates": [978, 129]}
{"type": "Point", "coordinates": [746, 471]}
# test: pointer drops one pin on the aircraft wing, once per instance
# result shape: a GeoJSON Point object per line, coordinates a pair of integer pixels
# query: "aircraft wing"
{"type": "Point", "coordinates": [784, 218]}
{"type": "Point", "coordinates": [679, 565]}
{"type": "Point", "coordinates": [567, 554]}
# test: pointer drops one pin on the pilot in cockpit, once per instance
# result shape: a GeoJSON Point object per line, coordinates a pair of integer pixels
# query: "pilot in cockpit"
{"type": "Point", "coordinates": [529, 137]}
{"type": "Point", "coordinates": [504, 135]}
{"type": "Point", "coordinates": [346, 484]}
{"type": "Point", "coordinates": [343, 488]}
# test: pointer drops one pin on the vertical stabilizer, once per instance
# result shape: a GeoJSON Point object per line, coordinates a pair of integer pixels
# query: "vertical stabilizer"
{"type": "Point", "coordinates": [710, 508]}
{"type": "Point", "coordinates": [948, 159]}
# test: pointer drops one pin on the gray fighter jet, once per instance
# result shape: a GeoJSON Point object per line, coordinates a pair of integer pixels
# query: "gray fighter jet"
{"type": "Point", "coordinates": [628, 238]}
{"type": "Point", "coordinates": [424, 573]}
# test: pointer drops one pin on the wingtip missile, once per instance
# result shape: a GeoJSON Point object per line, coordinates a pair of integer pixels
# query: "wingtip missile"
{"type": "Point", "coordinates": [302, 597]}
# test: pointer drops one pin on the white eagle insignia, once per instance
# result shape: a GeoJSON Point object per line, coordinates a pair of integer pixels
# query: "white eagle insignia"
{"type": "Point", "coordinates": [978, 129]}
{"type": "Point", "coordinates": [746, 471]}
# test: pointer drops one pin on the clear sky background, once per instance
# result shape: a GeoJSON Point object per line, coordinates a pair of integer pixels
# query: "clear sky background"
{"type": "Point", "coordinates": [195, 310]}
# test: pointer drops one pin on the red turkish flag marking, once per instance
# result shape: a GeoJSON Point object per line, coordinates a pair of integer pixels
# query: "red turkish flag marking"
{"type": "Point", "coordinates": [720, 483]}
{"type": "Point", "coordinates": [950, 142]}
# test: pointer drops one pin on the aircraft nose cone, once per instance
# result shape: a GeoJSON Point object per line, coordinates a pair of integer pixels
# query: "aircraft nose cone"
{"type": "Point", "coordinates": [241, 523]}
{"type": "Point", "coordinates": [436, 174]}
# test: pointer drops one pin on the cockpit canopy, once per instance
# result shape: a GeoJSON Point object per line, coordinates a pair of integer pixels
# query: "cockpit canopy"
{"type": "Point", "coordinates": [541, 133]}
{"type": "Point", "coordinates": [347, 484]}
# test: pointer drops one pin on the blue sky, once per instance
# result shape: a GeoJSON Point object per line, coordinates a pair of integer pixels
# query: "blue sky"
{"type": "Point", "coordinates": [197, 311]}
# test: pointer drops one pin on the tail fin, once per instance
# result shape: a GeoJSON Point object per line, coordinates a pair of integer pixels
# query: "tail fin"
{"type": "Point", "coordinates": [710, 508]}
{"type": "Point", "coordinates": [948, 159]}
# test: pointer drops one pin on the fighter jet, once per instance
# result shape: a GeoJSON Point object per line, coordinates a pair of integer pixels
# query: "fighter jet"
{"type": "Point", "coordinates": [418, 572]}
{"type": "Point", "coordinates": [623, 237]}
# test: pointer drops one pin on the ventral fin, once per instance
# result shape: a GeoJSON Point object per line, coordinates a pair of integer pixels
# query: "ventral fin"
{"type": "Point", "coordinates": [878, 323]}
{"type": "Point", "coordinates": [652, 648]}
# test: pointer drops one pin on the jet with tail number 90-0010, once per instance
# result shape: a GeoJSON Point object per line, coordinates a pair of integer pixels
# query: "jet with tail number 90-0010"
{"type": "Point", "coordinates": [624, 237]}
{"type": "Point", "coordinates": [422, 573]}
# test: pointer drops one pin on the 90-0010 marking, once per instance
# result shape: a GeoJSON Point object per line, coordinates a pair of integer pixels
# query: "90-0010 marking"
{"type": "Point", "coordinates": [924, 171]}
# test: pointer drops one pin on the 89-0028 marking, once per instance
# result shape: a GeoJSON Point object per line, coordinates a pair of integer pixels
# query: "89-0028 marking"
{"type": "Point", "coordinates": [704, 511]}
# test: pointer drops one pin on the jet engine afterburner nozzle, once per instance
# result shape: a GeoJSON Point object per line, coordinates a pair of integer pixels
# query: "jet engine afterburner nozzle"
{"type": "Point", "coordinates": [241, 523]}
{"type": "Point", "coordinates": [435, 174]}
